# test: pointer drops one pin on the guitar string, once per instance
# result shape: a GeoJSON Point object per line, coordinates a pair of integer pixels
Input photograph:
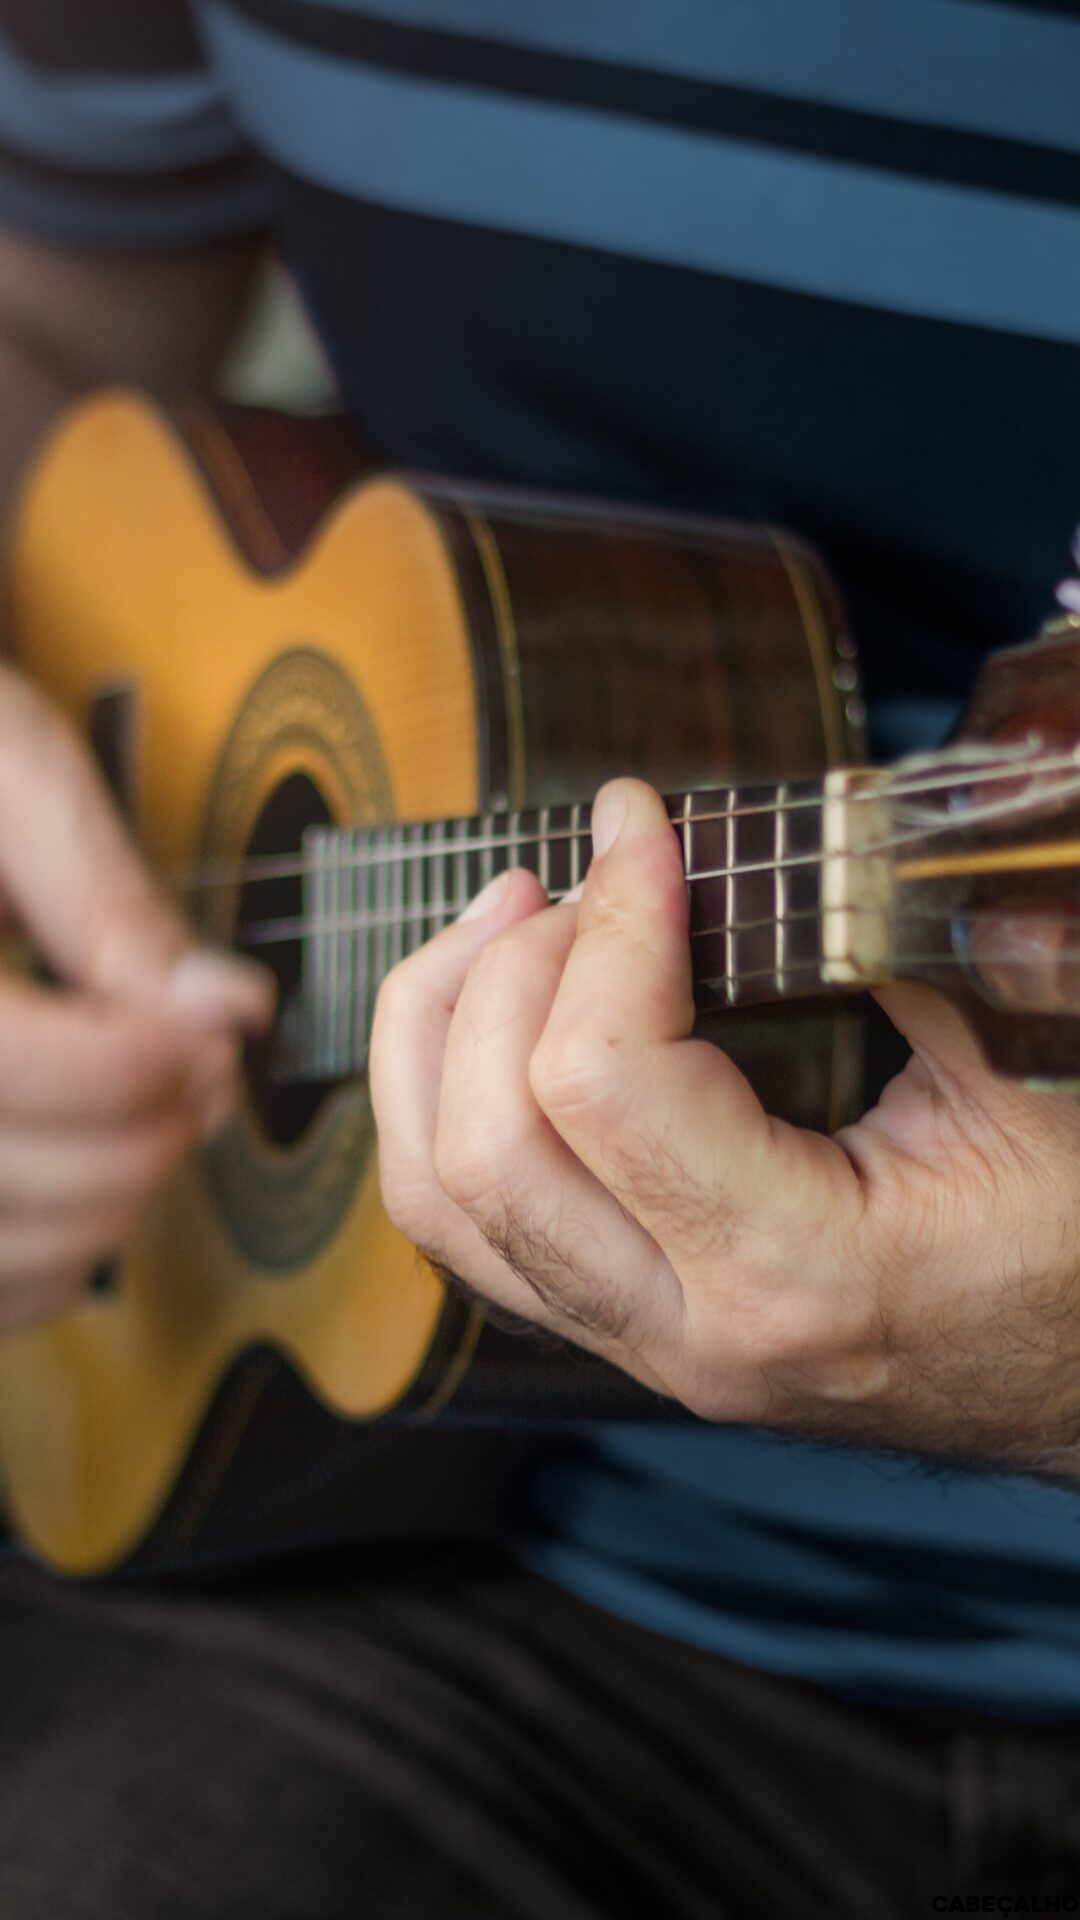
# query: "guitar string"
{"type": "Point", "coordinates": [931, 958]}
{"type": "Point", "coordinates": [803, 974]}
{"type": "Point", "coordinates": [304, 1048]}
{"type": "Point", "coordinates": [739, 869]}
{"type": "Point", "coordinates": [257, 931]}
{"type": "Point", "coordinates": [255, 868]}
{"type": "Point", "coordinates": [268, 933]}
{"type": "Point", "coordinates": [807, 972]}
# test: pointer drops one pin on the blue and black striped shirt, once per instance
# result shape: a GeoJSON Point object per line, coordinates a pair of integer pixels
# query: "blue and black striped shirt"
{"type": "Point", "coordinates": [816, 261]}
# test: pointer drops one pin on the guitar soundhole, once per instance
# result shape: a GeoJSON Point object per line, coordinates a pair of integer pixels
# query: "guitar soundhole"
{"type": "Point", "coordinates": [302, 747]}
{"type": "Point", "coordinates": [285, 1107]}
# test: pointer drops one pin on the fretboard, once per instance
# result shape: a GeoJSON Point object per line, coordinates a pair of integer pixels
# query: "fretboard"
{"type": "Point", "coordinates": [372, 895]}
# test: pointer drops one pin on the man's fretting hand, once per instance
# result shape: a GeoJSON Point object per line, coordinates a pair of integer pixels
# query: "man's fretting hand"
{"type": "Point", "coordinates": [106, 1081]}
{"type": "Point", "coordinates": [550, 1132]}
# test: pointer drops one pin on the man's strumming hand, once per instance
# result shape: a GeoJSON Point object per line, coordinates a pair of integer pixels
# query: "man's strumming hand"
{"type": "Point", "coordinates": [108, 1078]}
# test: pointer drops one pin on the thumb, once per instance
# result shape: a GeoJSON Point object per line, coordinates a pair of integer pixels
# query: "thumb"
{"type": "Point", "coordinates": [635, 907]}
{"type": "Point", "coordinates": [82, 891]}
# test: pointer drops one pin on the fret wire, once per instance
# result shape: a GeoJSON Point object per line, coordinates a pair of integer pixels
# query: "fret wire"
{"type": "Point", "coordinates": [354, 1037]}
{"type": "Point", "coordinates": [397, 895]}
{"type": "Point", "coordinates": [687, 823]}
{"type": "Point", "coordinates": [418, 875]}
{"type": "Point", "coordinates": [465, 870]}
{"type": "Point", "coordinates": [544, 838]}
{"type": "Point", "coordinates": [350, 875]}
{"type": "Point", "coordinates": [365, 973]}
{"type": "Point", "coordinates": [487, 861]}
{"type": "Point", "coordinates": [474, 865]}
{"type": "Point", "coordinates": [359, 977]}
{"type": "Point", "coordinates": [438, 874]}
{"type": "Point", "coordinates": [344, 888]}
{"type": "Point", "coordinates": [309, 953]}
{"type": "Point", "coordinates": [461, 867]}
{"type": "Point", "coordinates": [323, 1000]}
{"type": "Point", "coordinates": [576, 832]}
{"type": "Point", "coordinates": [352, 990]}
{"type": "Point", "coordinates": [779, 885]}
{"type": "Point", "coordinates": [449, 883]}
{"type": "Point", "coordinates": [729, 904]}
{"type": "Point", "coordinates": [324, 997]}
{"type": "Point", "coordinates": [381, 942]}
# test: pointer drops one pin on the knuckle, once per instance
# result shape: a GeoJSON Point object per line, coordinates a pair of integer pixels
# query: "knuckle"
{"type": "Point", "coordinates": [468, 1165]}
{"type": "Point", "coordinates": [488, 970]}
{"type": "Point", "coordinates": [409, 1195]}
{"type": "Point", "coordinates": [571, 1076]}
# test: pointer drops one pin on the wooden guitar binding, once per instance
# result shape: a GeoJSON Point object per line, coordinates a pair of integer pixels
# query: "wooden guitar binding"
{"type": "Point", "coordinates": [257, 641]}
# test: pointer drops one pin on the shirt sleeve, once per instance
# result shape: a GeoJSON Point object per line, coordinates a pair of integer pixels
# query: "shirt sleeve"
{"type": "Point", "coordinates": [114, 131]}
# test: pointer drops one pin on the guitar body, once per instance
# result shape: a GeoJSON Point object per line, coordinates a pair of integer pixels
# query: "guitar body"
{"type": "Point", "coordinates": [255, 643]}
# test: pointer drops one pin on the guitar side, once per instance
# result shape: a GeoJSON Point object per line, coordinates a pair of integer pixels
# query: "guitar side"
{"type": "Point", "coordinates": [427, 651]}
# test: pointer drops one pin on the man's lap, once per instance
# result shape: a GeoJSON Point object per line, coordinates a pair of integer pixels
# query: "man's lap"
{"type": "Point", "coordinates": [411, 1733]}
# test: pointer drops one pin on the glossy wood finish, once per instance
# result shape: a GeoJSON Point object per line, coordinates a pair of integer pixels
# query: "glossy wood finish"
{"type": "Point", "coordinates": [998, 899]}
{"type": "Point", "coordinates": [429, 650]}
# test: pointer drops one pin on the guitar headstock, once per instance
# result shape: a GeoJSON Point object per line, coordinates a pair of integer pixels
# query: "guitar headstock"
{"type": "Point", "coordinates": [986, 859]}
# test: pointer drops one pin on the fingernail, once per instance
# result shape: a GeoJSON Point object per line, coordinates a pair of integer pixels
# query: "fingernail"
{"type": "Point", "coordinates": [608, 814]}
{"type": "Point", "coordinates": [221, 986]}
{"type": "Point", "coordinates": [487, 899]}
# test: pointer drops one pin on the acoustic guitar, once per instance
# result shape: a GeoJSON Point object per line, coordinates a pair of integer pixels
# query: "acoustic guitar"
{"type": "Point", "coordinates": [332, 707]}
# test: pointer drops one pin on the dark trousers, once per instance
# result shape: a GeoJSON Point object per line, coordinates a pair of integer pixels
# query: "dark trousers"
{"type": "Point", "coordinates": [437, 1733]}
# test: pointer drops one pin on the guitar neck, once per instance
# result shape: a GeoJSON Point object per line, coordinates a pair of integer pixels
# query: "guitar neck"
{"type": "Point", "coordinates": [372, 895]}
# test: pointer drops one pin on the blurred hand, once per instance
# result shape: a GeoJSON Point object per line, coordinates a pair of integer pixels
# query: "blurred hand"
{"type": "Point", "coordinates": [550, 1131]}
{"type": "Point", "coordinates": [109, 1079]}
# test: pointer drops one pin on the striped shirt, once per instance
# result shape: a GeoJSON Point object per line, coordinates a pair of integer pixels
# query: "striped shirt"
{"type": "Point", "coordinates": [814, 261]}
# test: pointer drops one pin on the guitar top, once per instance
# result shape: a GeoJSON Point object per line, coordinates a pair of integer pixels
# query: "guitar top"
{"type": "Point", "coordinates": [332, 707]}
